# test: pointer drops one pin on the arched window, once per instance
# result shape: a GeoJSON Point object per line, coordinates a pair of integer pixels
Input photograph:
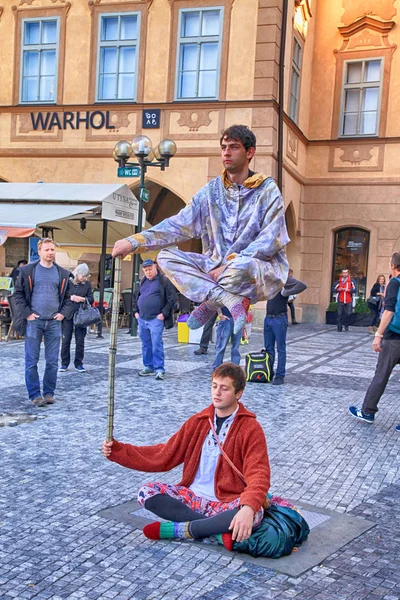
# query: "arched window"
{"type": "Point", "coordinates": [351, 252]}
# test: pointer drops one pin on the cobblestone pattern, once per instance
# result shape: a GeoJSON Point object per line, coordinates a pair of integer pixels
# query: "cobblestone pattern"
{"type": "Point", "coordinates": [54, 479]}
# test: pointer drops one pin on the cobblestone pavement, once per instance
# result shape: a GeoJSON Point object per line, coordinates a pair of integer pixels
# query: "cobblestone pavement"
{"type": "Point", "coordinates": [54, 479]}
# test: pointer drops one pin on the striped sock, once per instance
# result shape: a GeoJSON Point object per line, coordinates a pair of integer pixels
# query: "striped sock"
{"type": "Point", "coordinates": [167, 531]}
{"type": "Point", "coordinates": [238, 306]}
{"type": "Point", "coordinates": [202, 314]}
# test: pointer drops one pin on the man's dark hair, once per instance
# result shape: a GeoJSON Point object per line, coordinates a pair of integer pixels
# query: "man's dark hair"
{"type": "Point", "coordinates": [395, 260]}
{"type": "Point", "coordinates": [22, 262]}
{"type": "Point", "coordinates": [240, 133]}
{"type": "Point", "coordinates": [234, 372]}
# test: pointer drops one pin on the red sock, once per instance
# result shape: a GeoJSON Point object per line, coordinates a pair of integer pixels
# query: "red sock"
{"type": "Point", "coordinates": [152, 531]}
{"type": "Point", "coordinates": [227, 541]}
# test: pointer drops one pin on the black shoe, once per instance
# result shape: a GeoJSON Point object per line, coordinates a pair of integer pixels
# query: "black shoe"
{"type": "Point", "coordinates": [278, 381]}
{"type": "Point", "coordinates": [340, 329]}
{"type": "Point", "coordinates": [346, 328]}
{"type": "Point", "coordinates": [200, 351]}
{"type": "Point", "coordinates": [295, 322]}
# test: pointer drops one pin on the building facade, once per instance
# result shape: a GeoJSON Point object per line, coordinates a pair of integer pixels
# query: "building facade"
{"type": "Point", "coordinates": [76, 77]}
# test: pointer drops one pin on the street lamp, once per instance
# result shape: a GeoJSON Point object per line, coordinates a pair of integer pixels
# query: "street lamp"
{"type": "Point", "coordinates": [142, 148]}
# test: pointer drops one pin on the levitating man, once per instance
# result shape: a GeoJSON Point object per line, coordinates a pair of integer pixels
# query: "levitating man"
{"type": "Point", "coordinates": [239, 216]}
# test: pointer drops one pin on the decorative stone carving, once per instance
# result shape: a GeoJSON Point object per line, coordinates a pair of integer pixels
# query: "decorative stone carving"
{"type": "Point", "coordinates": [292, 145]}
{"type": "Point", "coordinates": [366, 32]}
{"type": "Point", "coordinates": [1, 11]}
{"type": "Point", "coordinates": [354, 9]}
{"type": "Point", "coordinates": [92, 3]}
{"type": "Point", "coordinates": [64, 3]}
{"type": "Point", "coordinates": [194, 120]}
{"type": "Point", "coordinates": [356, 157]}
{"type": "Point", "coordinates": [302, 14]}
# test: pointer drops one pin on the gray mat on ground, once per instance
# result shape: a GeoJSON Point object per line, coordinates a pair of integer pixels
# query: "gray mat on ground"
{"type": "Point", "coordinates": [330, 531]}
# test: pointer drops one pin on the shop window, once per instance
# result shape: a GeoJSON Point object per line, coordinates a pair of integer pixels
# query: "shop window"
{"type": "Point", "coordinates": [118, 57]}
{"type": "Point", "coordinates": [361, 98]}
{"type": "Point", "coordinates": [39, 60]}
{"type": "Point", "coordinates": [199, 53]}
{"type": "Point", "coordinates": [295, 81]}
{"type": "Point", "coordinates": [351, 252]}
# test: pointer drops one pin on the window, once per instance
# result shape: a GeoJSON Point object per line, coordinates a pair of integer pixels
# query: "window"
{"type": "Point", "coordinates": [118, 57]}
{"type": "Point", "coordinates": [199, 53]}
{"type": "Point", "coordinates": [39, 60]}
{"type": "Point", "coordinates": [361, 98]}
{"type": "Point", "coordinates": [295, 81]}
{"type": "Point", "coordinates": [351, 252]}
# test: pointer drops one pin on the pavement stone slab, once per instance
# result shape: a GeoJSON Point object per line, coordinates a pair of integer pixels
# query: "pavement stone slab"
{"type": "Point", "coordinates": [55, 480]}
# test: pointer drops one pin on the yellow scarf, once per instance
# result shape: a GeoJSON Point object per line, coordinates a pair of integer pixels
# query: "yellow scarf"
{"type": "Point", "coordinates": [251, 182]}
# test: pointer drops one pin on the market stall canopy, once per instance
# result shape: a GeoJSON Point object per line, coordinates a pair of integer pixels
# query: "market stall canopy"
{"type": "Point", "coordinates": [28, 204]}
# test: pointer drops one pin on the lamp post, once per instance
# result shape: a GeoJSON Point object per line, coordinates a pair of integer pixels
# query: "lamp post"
{"type": "Point", "coordinates": [146, 157]}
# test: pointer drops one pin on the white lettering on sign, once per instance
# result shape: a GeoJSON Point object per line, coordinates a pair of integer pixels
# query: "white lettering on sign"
{"type": "Point", "coordinates": [151, 118]}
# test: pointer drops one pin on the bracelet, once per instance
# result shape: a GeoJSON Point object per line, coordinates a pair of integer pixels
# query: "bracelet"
{"type": "Point", "coordinates": [378, 335]}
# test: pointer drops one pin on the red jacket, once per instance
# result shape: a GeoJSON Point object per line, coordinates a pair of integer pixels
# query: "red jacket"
{"type": "Point", "coordinates": [245, 445]}
{"type": "Point", "coordinates": [350, 288]}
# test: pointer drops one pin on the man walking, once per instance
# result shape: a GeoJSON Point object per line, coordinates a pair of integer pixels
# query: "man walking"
{"type": "Point", "coordinates": [276, 324]}
{"type": "Point", "coordinates": [345, 287]}
{"type": "Point", "coordinates": [387, 344]}
{"type": "Point", "coordinates": [240, 219]}
{"type": "Point", "coordinates": [41, 301]}
{"type": "Point", "coordinates": [153, 306]}
{"type": "Point", "coordinates": [226, 473]}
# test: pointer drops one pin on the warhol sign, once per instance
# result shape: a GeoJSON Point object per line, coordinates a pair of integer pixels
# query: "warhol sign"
{"type": "Point", "coordinates": [96, 119]}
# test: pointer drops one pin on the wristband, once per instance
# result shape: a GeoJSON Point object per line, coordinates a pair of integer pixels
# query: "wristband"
{"type": "Point", "coordinates": [378, 335]}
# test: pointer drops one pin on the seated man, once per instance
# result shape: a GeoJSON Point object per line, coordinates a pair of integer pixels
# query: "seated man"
{"type": "Point", "coordinates": [226, 474]}
{"type": "Point", "coordinates": [240, 219]}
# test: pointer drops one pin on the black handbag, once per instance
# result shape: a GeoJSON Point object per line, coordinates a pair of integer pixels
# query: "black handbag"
{"type": "Point", "coordinates": [374, 300]}
{"type": "Point", "coordinates": [86, 315]}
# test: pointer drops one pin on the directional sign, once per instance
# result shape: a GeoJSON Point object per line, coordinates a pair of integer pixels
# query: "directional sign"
{"type": "Point", "coordinates": [128, 171]}
{"type": "Point", "coordinates": [145, 195]}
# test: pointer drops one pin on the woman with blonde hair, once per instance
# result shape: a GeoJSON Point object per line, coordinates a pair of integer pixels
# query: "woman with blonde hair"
{"type": "Point", "coordinates": [81, 291]}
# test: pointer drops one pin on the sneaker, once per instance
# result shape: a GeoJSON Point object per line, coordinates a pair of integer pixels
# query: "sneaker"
{"type": "Point", "coordinates": [397, 427]}
{"type": "Point", "coordinates": [63, 368]}
{"type": "Point", "coordinates": [80, 369]}
{"type": "Point", "coordinates": [339, 328]}
{"type": "Point", "coordinates": [295, 323]}
{"type": "Point", "coordinates": [200, 351]}
{"type": "Point", "coordinates": [160, 375]}
{"type": "Point", "coordinates": [359, 414]}
{"type": "Point", "coordinates": [49, 399]}
{"type": "Point", "coordinates": [278, 381]}
{"type": "Point", "coordinates": [39, 401]}
{"type": "Point", "coordinates": [146, 373]}
{"type": "Point", "coordinates": [346, 328]}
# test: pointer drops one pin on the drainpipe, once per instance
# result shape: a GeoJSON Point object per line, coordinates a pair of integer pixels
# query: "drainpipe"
{"type": "Point", "coordinates": [281, 91]}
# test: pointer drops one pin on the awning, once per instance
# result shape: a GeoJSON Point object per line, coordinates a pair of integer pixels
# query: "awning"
{"type": "Point", "coordinates": [30, 215]}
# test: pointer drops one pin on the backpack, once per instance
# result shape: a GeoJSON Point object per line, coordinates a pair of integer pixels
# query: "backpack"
{"type": "Point", "coordinates": [395, 322]}
{"type": "Point", "coordinates": [258, 368]}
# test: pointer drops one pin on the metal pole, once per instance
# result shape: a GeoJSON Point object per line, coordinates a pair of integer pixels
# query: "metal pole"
{"type": "Point", "coordinates": [102, 275]}
{"type": "Point", "coordinates": [137, 259]}
{"type": "Point", "coordinates": [113, 348]}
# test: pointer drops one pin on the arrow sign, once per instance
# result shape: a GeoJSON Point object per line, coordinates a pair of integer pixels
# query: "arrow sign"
{"type": "Point", "coordinates": [128, 171]}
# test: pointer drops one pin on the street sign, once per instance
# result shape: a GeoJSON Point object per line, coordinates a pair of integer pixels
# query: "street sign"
{"type": "Point", "coordinates": [128, 171]}
{"type": "Point", "coordinates": [151, 118]}
{"type": "Point", "coordinates": [145, 195]}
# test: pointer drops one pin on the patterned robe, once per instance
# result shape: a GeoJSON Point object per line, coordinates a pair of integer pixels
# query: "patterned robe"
{"type": "Point", "coordinates": [242, 227]}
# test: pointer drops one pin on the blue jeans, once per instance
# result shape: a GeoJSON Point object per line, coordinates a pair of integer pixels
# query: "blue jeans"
{"type": "Point", "coordinates": [150, 332]}
{"type": "Point", "coordinates": [275, 330]}
{"type": "Point", "coordinates": [224, 332]}
{"type": "Point", "coordinates": [50, 329]}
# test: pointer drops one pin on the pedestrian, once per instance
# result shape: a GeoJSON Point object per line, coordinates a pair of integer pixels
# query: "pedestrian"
{"type": "Point", "coordinates": [291, 300]}
{"type": "Point", "coordinates": [15, 272]}
{"type": "Point", "coordinates": [375, 301]}
{"type": "Point", "coordinates": [153, 305]}
{"type": "Point", "coordinates": [81, 291]}
{"type": "Point", "coordinates": [387, 344]}
{"type": "Point", "coordinates": [276, 324]}
{"type": "Point", "coordinates": [240, 219]}
{"type": "Point", "coordinates": [41, 302]}
{"type": "Point", "coordinates": [224, 334]}
{"type": "Point", "coordinates": [206, 336]}
{"type": "Point", "coordinates": [212, 498]}
{"type": "Point", "coordinates": [345, 287]}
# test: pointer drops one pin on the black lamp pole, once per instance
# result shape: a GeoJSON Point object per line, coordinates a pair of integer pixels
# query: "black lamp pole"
{"type": "Point", "coordinates": [133, 325]}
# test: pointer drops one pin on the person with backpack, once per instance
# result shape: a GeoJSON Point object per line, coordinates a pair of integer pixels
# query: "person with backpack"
{"type": "Point", "coordinates": [153, 306]}
{"type": "Point", "coordinates": [41, 300]}
{"type": "Point", "coordinates": [387, 344]}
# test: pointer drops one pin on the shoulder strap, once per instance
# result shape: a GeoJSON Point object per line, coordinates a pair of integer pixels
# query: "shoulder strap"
{"type": "Point", "coordinates": [224, 454]}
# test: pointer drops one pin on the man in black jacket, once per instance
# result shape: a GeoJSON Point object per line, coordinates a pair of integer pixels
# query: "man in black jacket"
{"type": "Point", "coordinates": [41, 301]}
{"type": "Point", "coordinates": [153, 306]}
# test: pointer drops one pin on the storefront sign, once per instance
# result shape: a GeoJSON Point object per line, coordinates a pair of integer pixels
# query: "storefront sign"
{"type": "Point", "coordinates": [355, 246]}
{"type": "Point", "coordinates": [151, 118]}
{"type": "Point", "coordinates": [121, 207]}
{"type": "Point", "coordinates": [62, 120]}
{"type": "Point", "coordinates": [33, 249]}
